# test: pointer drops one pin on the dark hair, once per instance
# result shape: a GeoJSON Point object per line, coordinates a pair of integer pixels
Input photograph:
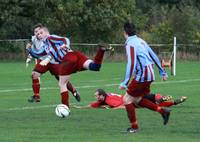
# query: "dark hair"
{"type": "Point", "coordinates": [38, 25]}
{"type": "Point", "coordinates": [101, 92]}
{"type": "Point", "coordinates": [129, 28]}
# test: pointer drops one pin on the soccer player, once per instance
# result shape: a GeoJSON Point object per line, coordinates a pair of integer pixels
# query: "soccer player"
{"type": "Point", "coordinates": [70, 61]}
{"type": "Point", "coordinates": [35, 43]}
{"type": "Point", "coordinates": [112, 100]}
{"type": "Point", "coordinates": [37, 51]}
{"type": "Point", "coordinates": [140, 65]}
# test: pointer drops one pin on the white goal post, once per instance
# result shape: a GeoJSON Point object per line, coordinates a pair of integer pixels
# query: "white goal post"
{"type": "Point", "coordinates": [174, 58]}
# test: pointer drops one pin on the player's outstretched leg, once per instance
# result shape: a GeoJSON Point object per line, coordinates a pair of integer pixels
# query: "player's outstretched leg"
{"type": "Point", "coordinates": [162, 98]}
{"type": "Point", "coordinates": [106, 47]}
{"type": "Point", "coordinates": [95, 65]}
{"type": "Point", "coordinates": [173, 102]}
{"type": "Point", "coordinates": [181, 100]}
{"type": "Point", "coordinates": [164, 112]}
{"type": "Point", "coordinates": [100, 53]}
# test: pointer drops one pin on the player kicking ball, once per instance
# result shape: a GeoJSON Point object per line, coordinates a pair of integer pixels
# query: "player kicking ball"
{"type": "Point", "coordinates": [70, 61]}
{"type": "Point", "coordinates": [36, 50]}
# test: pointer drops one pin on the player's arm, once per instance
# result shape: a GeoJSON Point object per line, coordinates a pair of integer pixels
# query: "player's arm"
{"type": "Point", "coordinates": [28, 59]}
{"type": "Point", "coordinates": [65, 42]}
{"type": "Point", "coordinates": [104, 107]}
{"type": "Point", "coordinates": [130, 67]}
{"type": "Point", "coordinates": [154, 57]}
{"type": "Point", "coordinates": [89, 106]}
{"type": "Point", "coordinates": [28, 45]}
{"type": "Point", "coordinates": [119, 107]}
{"type": "Point", "coordinates": [29, 48]}
{"type": "Point", "coordinates": [96, 104]}
{"type": "Point", "coordinates": [45, 61]}
{"type": "Point", "coordinates": [80, 107]}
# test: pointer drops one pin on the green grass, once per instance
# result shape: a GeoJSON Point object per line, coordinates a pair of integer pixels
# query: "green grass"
{"type": "Point", "coordinates": [22, 121]}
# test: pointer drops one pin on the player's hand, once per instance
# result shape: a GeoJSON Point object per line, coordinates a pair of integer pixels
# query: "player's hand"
{"type": "Point", "coordinates": [27, 64]}
{"type": "Point", "coordinates": [163, 74]}
{"type": "Point", "coordinates": [28, 60]}
{"type": "Point", "coordinates": [164, 78]}
{"type": "Point", "coordinates": [122, 88]}
{"type": "Point", "coordinates": [28, 45]}
{"type": "Point", "coordinates": [45, 62]}
{"type": "Point", "coordinates": [63, 46]}
{"type": "Point", "coordinates": [105, 107]}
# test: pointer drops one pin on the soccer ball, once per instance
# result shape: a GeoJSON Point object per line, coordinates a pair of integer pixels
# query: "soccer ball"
{"type": "Point", "coordinates": [62, 110]}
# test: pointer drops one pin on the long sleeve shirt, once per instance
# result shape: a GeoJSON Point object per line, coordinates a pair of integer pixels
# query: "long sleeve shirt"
{"type": "Point", "coordinates": [140, 61]}
{"type": "Point", "coordinates": [112, 100]}
{"type": "Point", "coordinates": [37, 51]}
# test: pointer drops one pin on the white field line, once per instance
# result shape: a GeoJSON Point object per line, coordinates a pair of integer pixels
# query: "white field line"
{"type": "Point", "coordinates": [54, 105]}
{"type": "Point", "coordinates": [39, 107]}
{"type": "Point", "coordinates": [93, 86]}
{"type": "Point", "coordinates": [50, 82]}
{"type": "Point", "coordinates": [31, 107]}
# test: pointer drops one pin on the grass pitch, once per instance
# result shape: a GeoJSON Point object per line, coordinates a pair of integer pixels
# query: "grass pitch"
{"type": "Point", "coordinates": [21, 121]}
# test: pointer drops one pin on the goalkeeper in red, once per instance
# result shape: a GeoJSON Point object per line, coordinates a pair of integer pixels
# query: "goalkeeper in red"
{"type": "Point", "coordinates": [140, 67]}
{"type": "Point", "coordinates": [112, 100]}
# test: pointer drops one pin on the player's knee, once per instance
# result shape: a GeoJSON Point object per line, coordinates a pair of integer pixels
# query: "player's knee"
{"type": "Point", "coordinates": [126, 99]}
{"type": "Point", "coordinates": [94, 66]}
{"type": "Point", "coordinates": [35, 75]}
{"type": "Point", "coordinates": [136, 100]}
{"type": "Point", "coordinates": [61, 83]}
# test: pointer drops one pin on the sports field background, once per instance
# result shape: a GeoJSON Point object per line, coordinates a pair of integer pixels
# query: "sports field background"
{"type": "Point", "coordinates": [21, 121]}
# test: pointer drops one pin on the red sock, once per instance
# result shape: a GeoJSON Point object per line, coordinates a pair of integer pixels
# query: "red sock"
{"type": "Point", "coordinates": [130, 109]}
{"type": "Point", "coordinates": [99, 56]}
{"type": "Point", "coordinates": [65, 98]}
{"type": "Point", "coordinates": [166, 104]}
{"type": "Point", "coordinates": [148, 104]}
{"type": "Point", "coordinates": [70, 87]}
{"type": "Point", "coordinates": [36, 87]}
